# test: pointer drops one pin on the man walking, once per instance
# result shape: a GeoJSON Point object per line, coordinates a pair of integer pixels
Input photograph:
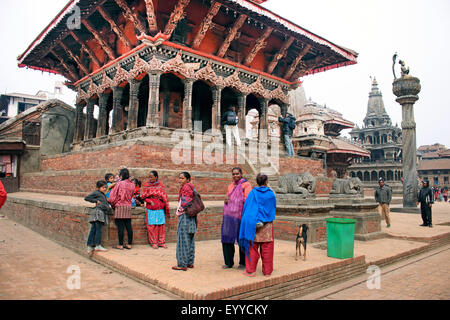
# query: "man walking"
{"type": "Point", "coordinates": [383, 195]}
{"type": "Point", "coordinates": [426, 199]}
{"type": "Point", "coordinates": [288, 126]}
{"type": "Point", "coordinates": [230, 122]}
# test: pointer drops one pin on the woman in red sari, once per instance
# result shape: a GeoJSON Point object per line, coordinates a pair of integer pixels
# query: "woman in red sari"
{"type": "Point", "coordinates": [156, 210]}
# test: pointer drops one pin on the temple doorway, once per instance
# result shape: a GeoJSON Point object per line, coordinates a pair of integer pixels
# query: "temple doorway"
{"type": "Point", "coordinates": [202, 102]}
{"type": "Point", "coordinates": [143, 102]}
{"type": "Point", "coordinates": [171, 95]}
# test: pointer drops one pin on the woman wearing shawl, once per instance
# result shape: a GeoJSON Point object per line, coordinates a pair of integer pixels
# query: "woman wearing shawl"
{"type": "Point", "coordinates": [259, 208]}
{"type": "Point", "coordinates": [187, 226]}
{"type": "Point", "coordinates": [120, 200]}
{"type": "Point", "coordinates": [232, 213]}
{"type": "Point", "coordinates": [156, 210]}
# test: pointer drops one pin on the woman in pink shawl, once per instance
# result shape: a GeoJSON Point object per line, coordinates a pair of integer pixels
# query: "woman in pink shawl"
{"type": "Point", "coordinates": [120, 200]}
{"type": "Point", "coordinates": [232, 213]}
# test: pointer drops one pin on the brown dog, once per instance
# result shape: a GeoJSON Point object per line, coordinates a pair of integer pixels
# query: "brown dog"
{"type": "Point", "coordinates": [302, 237]}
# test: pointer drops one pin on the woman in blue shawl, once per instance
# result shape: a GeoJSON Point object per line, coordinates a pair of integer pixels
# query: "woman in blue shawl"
{"type": "Point", "coordinates": [259, 209]}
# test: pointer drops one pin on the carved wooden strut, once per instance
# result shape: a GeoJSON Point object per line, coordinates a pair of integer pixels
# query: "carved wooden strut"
{"type": "Point", "coordinates": [86, 48]}
{"type": "Point", "coordinates": [297, 61]}
{"type": "Point", "coordinates": [129, 15]}
{"type": "Point", "coordinates": [176, 16]}
{"type": "Point", "coordinates": [151, 17]}
{"type": "Point", "coordinates": [115, 27]}
{"type": "Point", "coordinates": [61, 60]}
{"type": "Point", "coordinates": [231, 35]}
{"type": "Point", "coordinates": [206, 24]}
{"type": "Point", "coordinates": [259, 45]}
{"type": "Point", "coordinates": [279, 55]}
{"type": "Point", "coordinates": [74, 57]}
{"type": "Point", "coordinates": [105, 46]}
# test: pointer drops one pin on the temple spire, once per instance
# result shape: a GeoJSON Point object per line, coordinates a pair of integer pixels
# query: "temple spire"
{"type": "Point", "coordinates": [376, 113]}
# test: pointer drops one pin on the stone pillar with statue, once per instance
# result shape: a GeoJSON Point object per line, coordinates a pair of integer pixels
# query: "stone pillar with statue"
{"type": "Point", "coordinates": [406, 89]}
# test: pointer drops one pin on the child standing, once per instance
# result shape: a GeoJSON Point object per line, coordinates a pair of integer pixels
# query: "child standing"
{"type": "Point", "coordinates": [110, 183]}
{"type": "Point", "coordinates": [136, 201]}
{"type": "Point", "coordinates": [98, 216]}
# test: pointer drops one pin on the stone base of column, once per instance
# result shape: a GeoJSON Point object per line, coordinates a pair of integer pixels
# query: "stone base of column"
{"type": "Point", "coordinates": [412, 210]}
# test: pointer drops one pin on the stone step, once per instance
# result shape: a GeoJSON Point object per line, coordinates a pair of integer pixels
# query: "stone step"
{"type": "Point", "coordinates": [307, 281]}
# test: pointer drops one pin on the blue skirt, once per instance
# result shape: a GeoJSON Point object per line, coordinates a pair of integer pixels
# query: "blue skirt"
{"type": "Point", "coordinates": [155, 217]}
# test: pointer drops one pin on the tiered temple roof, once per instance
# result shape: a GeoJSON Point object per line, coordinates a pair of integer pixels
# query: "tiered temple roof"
{"type": "Point", "coordinates": [238, 32]}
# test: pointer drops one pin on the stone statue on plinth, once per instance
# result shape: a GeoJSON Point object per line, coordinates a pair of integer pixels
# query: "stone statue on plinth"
{"type": "Point", "coordinates": [300, 186]}
{"type": "Point", "coordinates": [349, 187]}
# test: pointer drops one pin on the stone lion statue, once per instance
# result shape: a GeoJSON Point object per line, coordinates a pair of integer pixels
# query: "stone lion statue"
{"type": "Point", "coordinates": [348, 186]}
{"type": "Point", "coordinates": [303, 184]}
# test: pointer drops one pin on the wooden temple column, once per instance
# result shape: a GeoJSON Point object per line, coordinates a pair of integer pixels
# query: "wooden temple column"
{"type": "Point", "coordinates": [187, 104]}
{"type": "Point", "coordinates": [216, 109]}
{"type": "Point", "coordinates": [263, 123]}
{"type": "Point", "coordinates": [153, 99]}
{"type": "Point", "coordinates": [133, 104]}
{"type": "Point", "coordinates": [284, 108]}
{"type": "Point", "coordinates": [241, 101]}
{"type": "Point", "coordinates": [78, 135]}
{"type": "Point", "coordinates": [89, 125]}
{"type": "Point", "coordinates": [166, 107]}
{"type": "Point", "coordinates": [102, 115]}
{"type": "Point", "coordinates": [117, 110]}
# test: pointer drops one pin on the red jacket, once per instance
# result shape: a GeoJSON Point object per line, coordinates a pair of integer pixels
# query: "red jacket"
{"type": "Point", "coordinates": [3, 195]}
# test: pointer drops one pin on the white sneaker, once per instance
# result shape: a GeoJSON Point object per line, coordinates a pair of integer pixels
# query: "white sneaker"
{"type": "Point", "coordinates": [100, 248]}
{"type": "Point", "coordinates": [90, 250]}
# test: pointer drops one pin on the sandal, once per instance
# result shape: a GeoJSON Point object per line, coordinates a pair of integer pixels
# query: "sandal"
{"type": "Point", "coordinates": [163, 246]}
{"type": "Point", "coordinates": [248, 274]}
{"type": "Point", "coordinates": [226, 267]}
{"type": "Point", "coordinates": [118, 247]}
{"type": "Point", "coordinates": [154, 246]}
{"type": "Point", "coordinates": [127, 246]}
{"type": "Point", "coordinates": [179, 268]}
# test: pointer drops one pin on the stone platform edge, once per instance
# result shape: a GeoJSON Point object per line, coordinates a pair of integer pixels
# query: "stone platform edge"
{"type": "Point", "coordinates": [275, 285]}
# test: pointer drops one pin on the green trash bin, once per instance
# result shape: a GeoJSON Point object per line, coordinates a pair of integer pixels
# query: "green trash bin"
{"type": "Point", "coordinates": [340, 237]}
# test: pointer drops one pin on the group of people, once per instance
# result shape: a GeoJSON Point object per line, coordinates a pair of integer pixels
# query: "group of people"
{"type": "Point", "coordinates": [247, 218]}
{"type": "Point", "coordinates": [117, 195]}
{"type": "Point", "coordinates": [425, 197]}
{"type": "Point", "coordinates": [440, 194]}
{"type": "Point", "coordinates": [230, 122]}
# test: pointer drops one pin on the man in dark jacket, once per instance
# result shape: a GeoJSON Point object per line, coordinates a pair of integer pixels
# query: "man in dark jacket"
{"type": "Point", "coordinates": [288, 126]}
{"type": "Point", "coordinates": [426, 199]}
{"type": "Point", "coordinates": [383, 195]}
{"type": "Point", "coordinates": [230, 122]}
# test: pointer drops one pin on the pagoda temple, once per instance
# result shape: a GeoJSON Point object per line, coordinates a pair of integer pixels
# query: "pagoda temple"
{"type": "Point", "coordinates": [318, 136]}
{"type": "Point", "coordinates": [152, 63]}
{"type": "Point", "coordinates": [148, 70]}
{"type": "Point", "coordinates": [384, 142]}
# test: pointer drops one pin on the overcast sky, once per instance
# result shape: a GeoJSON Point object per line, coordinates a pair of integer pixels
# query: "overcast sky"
{"type": "Point", "coordinates": [417, 30]}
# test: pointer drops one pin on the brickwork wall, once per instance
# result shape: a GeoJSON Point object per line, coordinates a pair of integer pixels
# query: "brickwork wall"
{"type": "Point", "coordinates": [209, 179]}
{"type": "Point", "coordinates": [81, 185]}
{"type": "Point", "coordinates": [133, 156]}
{"type": "Point", "coordinates": [298, 165]}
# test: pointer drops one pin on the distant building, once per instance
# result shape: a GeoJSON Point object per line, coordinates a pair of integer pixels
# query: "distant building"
{"type": "Point", "coordinates": [11, 104]}
{"type": "Point", "coordinates": [317, 135]}
{"type": "Point", "coordinates": [42, 130]}
{"type": "Point", "coordinates": [434, 165]}
{"type": "Point", "coordinates": [383, 140]}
